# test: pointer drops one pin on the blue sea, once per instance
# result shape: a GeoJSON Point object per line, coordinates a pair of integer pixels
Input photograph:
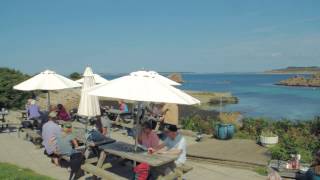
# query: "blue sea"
{"type": "Point", "coordinates": [258, 96]}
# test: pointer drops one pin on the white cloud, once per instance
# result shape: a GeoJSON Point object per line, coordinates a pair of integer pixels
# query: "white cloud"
{"type": "Point", "coordinates": [276, 54]}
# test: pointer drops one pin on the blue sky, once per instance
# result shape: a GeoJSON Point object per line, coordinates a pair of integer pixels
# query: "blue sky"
{"type": "Point", "coordinates": [168, 35]}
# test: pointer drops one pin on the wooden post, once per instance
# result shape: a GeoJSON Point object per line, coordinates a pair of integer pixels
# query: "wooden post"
{"type": "Point", "coordinates": [102, 158]}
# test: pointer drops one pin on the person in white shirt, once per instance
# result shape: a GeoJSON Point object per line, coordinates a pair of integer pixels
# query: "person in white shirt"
{"type": "Point", "coordinates": [174, 144]}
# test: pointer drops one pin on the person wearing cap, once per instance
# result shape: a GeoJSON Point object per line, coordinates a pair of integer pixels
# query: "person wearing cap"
{"type": "Point", "coordinates": [175, 144]}
{"type": "Point", "coordinates": [49, 131]}
{"type": "Point", "coordinates": [65, 140]}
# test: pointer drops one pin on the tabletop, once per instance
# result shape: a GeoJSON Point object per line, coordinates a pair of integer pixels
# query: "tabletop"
{"type": "Point", "coordinates": [126, 151]}
{"type": "Point", "coordinates": [114, 111]}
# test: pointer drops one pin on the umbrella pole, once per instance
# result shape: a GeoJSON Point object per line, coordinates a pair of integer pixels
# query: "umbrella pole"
{"type": "Point", "coordinates": [86, 126]}
{"type": "Point", "coordinates": [137, 127]}
{"type": "Point", "coordinates": [48, 101]}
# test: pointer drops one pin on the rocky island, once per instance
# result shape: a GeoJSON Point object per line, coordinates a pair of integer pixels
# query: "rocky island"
{"type": "Point", "coordinates": [313, 81]}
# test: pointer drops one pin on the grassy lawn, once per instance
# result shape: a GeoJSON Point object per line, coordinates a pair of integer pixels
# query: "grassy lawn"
{"type": "Point", "coordinates": [13, 172]}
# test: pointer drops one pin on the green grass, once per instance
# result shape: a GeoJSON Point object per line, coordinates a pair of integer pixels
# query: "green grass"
{"type": "Point", "coordinates": [261, 170]}
{"type": "Point", "coordinates": [13, 172]}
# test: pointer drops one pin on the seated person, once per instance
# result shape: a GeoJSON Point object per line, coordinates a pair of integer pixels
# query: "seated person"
{"type": "Point", "coordinates": [314, 172]}
{"type": "Point", "coordinates": [49, 131]}
{"type": "Point", "coordinates": [174, 144]}
{"type": "Point", "coordinates": [154, 110]}
{"type": "Point", "coordinates": [103, 124]}
{"type": "Point", "coordinates": [33, 110]}
{"type": "Point", "coordinates": [123, 107]}
{"type": "Point", "coordinates": [65, 141]}
{"type": "Point", "coordinates": [147, 137]}
{"type": "Point", "coordinates": [62, 114]}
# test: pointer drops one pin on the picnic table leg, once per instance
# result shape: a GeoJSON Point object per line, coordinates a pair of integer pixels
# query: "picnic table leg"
{"type": "Point", "coordinates": [102, 158]}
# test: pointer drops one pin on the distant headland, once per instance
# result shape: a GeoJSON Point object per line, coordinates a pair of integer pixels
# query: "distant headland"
{"type": "Point", "coordinates": [295, 70]}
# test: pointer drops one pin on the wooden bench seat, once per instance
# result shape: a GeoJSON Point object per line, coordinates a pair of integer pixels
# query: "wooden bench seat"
{"type": "Point", "coordinates": [99, 172]}
{"type": "Point", "coordinates": [185, 168]}
{"type": "Point", "coordinates": [177, 174]}
{"type": "Point", "coordinates": [3, 125]}
{"type": "Point", "coordinates": [33, 136]}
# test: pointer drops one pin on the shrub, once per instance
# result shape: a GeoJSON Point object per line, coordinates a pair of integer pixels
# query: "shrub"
{"type": "Point", "coordinates": [268, 133]}
{"type": "Point", "coordinates": [295, 137]}
{"type": "Point", "coordinates": [254, 126]}
{"type": "Point", "coordinates": [196, 123]}
{"type": "Point", "coordinates": [278, 152]}
{"type": "Point", "coordinates": [75, 76]}
{"type": "Point", "coordinates": [9, 97]}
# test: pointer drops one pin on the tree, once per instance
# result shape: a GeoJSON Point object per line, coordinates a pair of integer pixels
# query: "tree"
{"type": "Point", "coordinates": [10, 98]}
{"type": "Point", "coordinates": [75, 76]}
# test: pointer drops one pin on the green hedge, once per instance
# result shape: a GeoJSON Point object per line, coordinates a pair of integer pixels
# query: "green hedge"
{"type": "Point", "coordinates": [294, 136]}
{"type": "Point", "coordinates": [10, 98]}
{"type": "Point", "coordinates": [301, 137]}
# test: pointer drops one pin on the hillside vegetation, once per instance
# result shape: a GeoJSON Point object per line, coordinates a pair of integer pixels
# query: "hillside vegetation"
{"type": "Point", "coordinates": [10, 98]}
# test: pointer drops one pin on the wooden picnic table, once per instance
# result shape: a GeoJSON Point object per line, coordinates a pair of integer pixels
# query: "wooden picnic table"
{"type": "Point", "coordinates": [24, 115]}
{"type": "Point", "coordinates": [280, 167]}
{"type": "Point", "coordinates": [126, 151]}
{"type": "Point", "coordinates": [114, 111]}
{"type": "Point", "coordinates": [3, 114]}
{"type": "Point", "coordinates": [120, 121]}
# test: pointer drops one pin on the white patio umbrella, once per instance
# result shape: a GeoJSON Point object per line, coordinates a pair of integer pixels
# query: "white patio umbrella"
{"type": "Point", "coordinates": [164, 79]}
{"type": "Point", "coordinates": [97, 79]}
{"type": "Point", "coordinates": [47, 80]}
{"type": "Point", "coordinates": [142, 86]}
{"type": "Point", "coordinates": [89, 105]}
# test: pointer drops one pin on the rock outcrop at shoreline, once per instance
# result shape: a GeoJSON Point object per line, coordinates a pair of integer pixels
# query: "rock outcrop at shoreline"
{"type": "Point", "coordinates": [214, 98]}
{"type": "Point", "coordinates": [177, 77]}
{"type": "Point", "coordinates": [314, 81]}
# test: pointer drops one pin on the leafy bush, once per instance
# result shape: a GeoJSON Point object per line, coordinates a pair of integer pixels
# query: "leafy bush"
{"type": "Point", "coordinates": [268, 133]}
{"type": "Point", "coordinates": [300, 137]}
{"type": "Point", "coordinates": [9, 97]}
{"type": "Point", "coordinates": [196, 123]}
{"type": "Point", "coordinates": [75, 76]}
{"type": "Point", "coordinates": [279, 152]}
{"type": "Point", "coordinates": [254, 126]}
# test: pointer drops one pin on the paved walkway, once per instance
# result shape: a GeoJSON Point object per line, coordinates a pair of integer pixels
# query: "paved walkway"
{"type": "Point", "coordinates": [20, 152]}
{"type": "Point", "coordinates": [237, 150]}
{"type": "Point", "coordinates": [23, 153]}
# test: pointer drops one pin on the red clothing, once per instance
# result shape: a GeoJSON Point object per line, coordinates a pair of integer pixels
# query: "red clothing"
{"type": "Point", "coordinates": [141, 171]}
{"type": "Point", "coordinates": [62, 114]}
